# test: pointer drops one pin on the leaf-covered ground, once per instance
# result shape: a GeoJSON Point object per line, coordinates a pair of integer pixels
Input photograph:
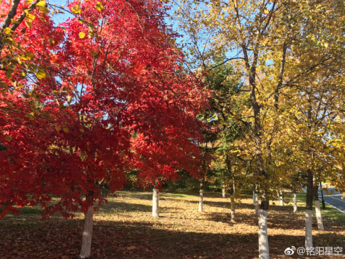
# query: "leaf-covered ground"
{"type": "Point", "coordinates": [124, 228]}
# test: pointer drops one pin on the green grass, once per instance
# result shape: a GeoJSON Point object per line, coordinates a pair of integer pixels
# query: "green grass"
{"type": "Point", "coordinates": [27, 210]}
{"type": "Point", "coordinates": [328, 213]}
{"type": "Point", "coordinates": [177, 195]}
{"type": "Point", "coordinates": [30, 210]}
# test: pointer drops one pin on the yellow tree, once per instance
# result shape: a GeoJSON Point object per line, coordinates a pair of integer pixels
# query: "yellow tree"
{"type": "Point", "coordinates": [277, 44]}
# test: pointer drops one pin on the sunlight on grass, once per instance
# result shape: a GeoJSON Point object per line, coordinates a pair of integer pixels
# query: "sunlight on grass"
{"type": "Point", "coordinates": [328, 213]}
{"type": "Point", "coordinates": [178, 195]}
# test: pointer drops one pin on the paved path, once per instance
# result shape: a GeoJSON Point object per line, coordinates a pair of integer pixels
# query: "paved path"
{"type": "Point", "coordinates": [334, 199]}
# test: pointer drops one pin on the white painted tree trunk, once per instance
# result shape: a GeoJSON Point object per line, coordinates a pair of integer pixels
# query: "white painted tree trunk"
{"type": "Point", "coordinates": [256, 205]}
{"type": "Point", "coordinates": [308, 229]}
{"type": "Point", "coordinates": [281, 197]}
{"type": "Point", "coordinates": [318, 215]}
{"type": "Point", "coordinates": [201, 200]}
{"type": "Point", "coordinates": [223, 191]}
{"type": "Point", "coordinates": [232, 208]}
{"type": "Point", "coordinates": [263, 237]}
{"type": "Point", "coordinates": [155, 203]}
{"type": "Point", "coordinates": [87, 234]}
{"type": "Point", "coordinates": [294, 202]}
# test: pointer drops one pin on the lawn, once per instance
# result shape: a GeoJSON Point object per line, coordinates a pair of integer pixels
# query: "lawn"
{"type": "Point", "coordinates": [124, 228]}
{"type": "Point", "coordinates": [329, 214]}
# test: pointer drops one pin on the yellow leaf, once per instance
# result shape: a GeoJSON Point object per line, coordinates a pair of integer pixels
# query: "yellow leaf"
{"type": "Point", "coordinates": [13, 20]}
{"type": "Point", "coordinates": [20, 86]}
{"type": "Point", "coordinates": [28, 1]}
{"type": "Point", "coordinates": [94, 53]}
{"type": "Point", "coordinates": [30, 17]}
{"type": "Point", "coordinates": [41, 4]}
{"type": "Point", "coordinates": [28, 24]}
{"type": "Point", "coordinates": [81, 35]}
{"type": "Point", "coordinates": [99, 6]}
{"type": "Point", "coordinates": [76, 9]}
{"type": "Point", "coordinates": [43, 9]}
{"type": "Point", "coordinates": [8, 138]}
{"type": "Point", "coordinates": [28, 56]}
{"type": "Point", "coordinates": [41, 74]}
{"type": "Point", "coordinates": [7, 30]}
{"type": "Point", "coordinates": [81, 130]}
{"type": "Point", "coordinates": [65, 129]}
{"type": "Point", "coordinates": [58, 128]}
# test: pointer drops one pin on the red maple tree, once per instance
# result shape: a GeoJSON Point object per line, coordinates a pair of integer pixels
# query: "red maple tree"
{"type": "Point", "coordinates": [104, 92]}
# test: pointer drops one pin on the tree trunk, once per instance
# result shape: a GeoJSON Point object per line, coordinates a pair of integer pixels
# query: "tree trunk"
{"type": "Point", "coordinates": [223, 191]}
{"type": "Point", "coordinates": [155, 203]}
{"type": "Point", "coordinates": [201, 197]}
{"type": "Point", "coordinates": [263, 237]}
{"type": "Point", "coordinates": [232, 197]}
{"type": "Point", "coordinates": [256, 205]}
{"type": "Point", "coordinates": [308, 213]}
{"type": "Point", "coordinates": [294, 201]}
{"type": "Point", "coordinates": [281, 195]}
{"type": "Point", "coordinates": [232, 208]}
{"type": "Point", "coordinates": [318, 215]}
{"type": "Point", "coordinates": [317, 208]}
{"type": "Point", "coordinates": [87, 234]}
{"type": "Point", "coordinates": [308, 229]}
{"type": "Point", "coordinates": [256, 200]}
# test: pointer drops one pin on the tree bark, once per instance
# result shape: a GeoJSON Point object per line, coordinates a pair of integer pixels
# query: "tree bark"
{"type": "Point", "coordinates": [308, 229]}
{"type": "Point", "coordinates": [155, 203]}
{"type": "Point", "coordinates": [87, 234]}
{"type": "Point", "coordinates": [232, 208]}
{"type": "Point", "coordinates": [256, 205]}
{"type": "Point", "coordinates": [281, 195]}
{"type": "Point", "coordinates": [232, 199]}
{"type": "Point", "coordinates": [308, 213]}
{"type": "Point", "coordinates": [254, 197]}
{"type": "Point", "coordinates": [223, 191]}
{"type": "Point", "coordinates": [263, 237]}
{"type": "Point", "coordinates": [317, 208]}
{"type": "Point", "coordinates": [201, 197]}
{"type": "Point", "coordinates": [294, 201]}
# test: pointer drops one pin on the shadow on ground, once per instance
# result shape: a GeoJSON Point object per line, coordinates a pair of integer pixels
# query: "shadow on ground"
{"type": "Point", "coordinates": [60, 239]}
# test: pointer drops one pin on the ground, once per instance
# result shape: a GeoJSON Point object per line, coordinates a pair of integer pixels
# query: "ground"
{"type": "Point", "coordinates": [124, 228]}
